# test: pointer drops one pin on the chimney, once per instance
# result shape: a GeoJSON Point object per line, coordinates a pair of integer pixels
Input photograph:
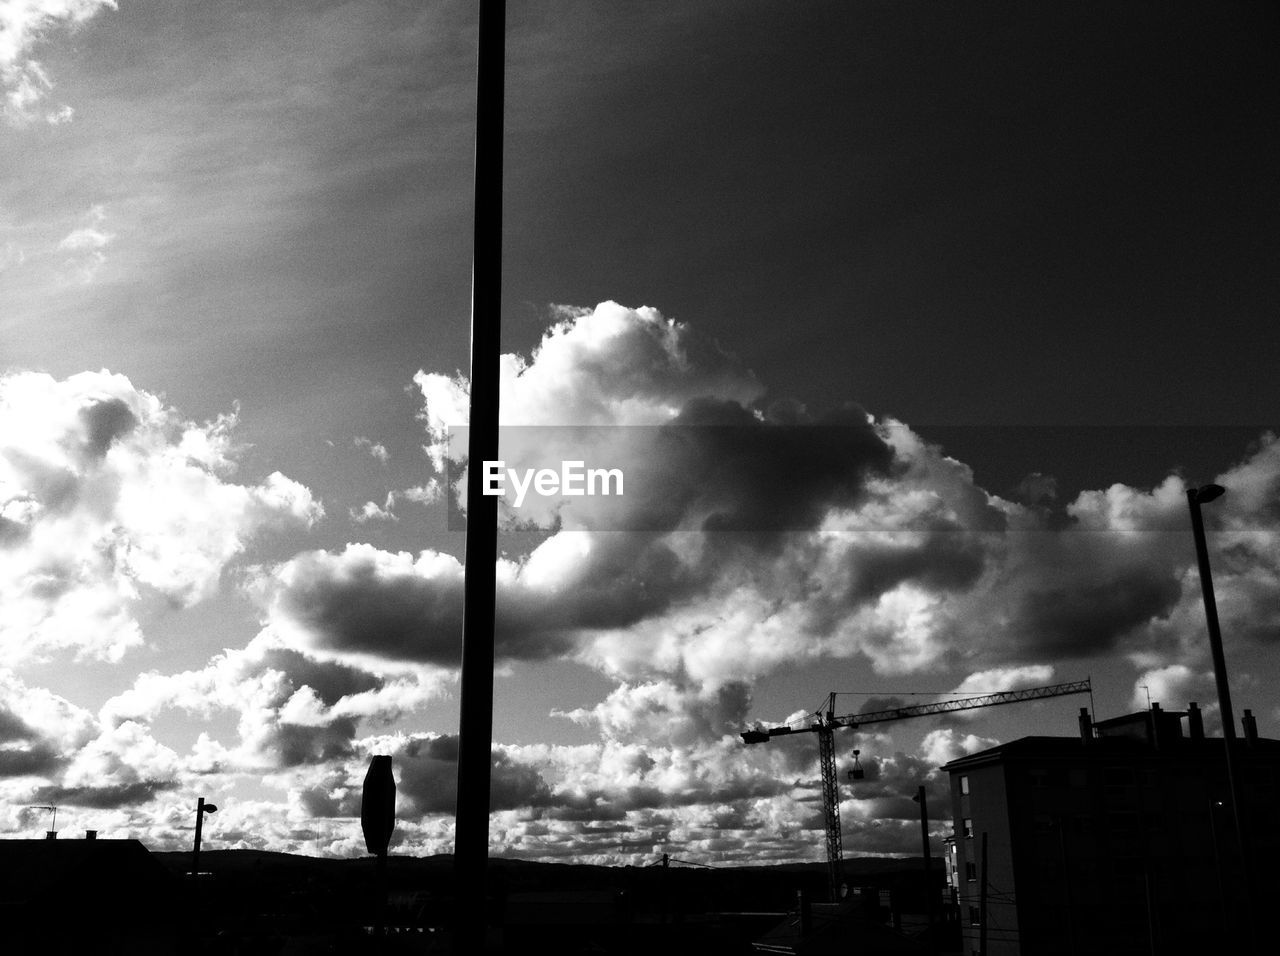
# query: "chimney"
{"type": "Point", "coordinates": [1086, 725]}
{"type": "Point", "coordinates": [51, 834]}
{"type": "Point", "coordinates": [91, 834]}
{"type": "Point", "coordinates": [1195, 721]}
{"type": "Point", "coordinates": [1154, 718]}
{"type": "Point", "coordinates": [806, 914]}
{"type": "Point", "coordinates": [1250, 727]}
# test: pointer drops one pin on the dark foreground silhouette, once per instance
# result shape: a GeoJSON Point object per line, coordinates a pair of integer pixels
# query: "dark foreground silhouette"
{"type": "Point", "coordinates": [113, 896]}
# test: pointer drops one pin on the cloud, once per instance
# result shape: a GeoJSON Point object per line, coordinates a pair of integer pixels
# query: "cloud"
{"type": "Point", "coordinates": [665, 711]}
{"type": "Point", "coordinates": [105, 797]}
{"type": "Point", "coordinates": [1174, 686]}
{"type": "Point", "coordinates": [869, 549]}
{"type": "Point", "coordinates": [396, 606]}
{"type": "Point", "coordinates": [39, 730]}
{"type": "Point", "coordinates": [376, 451]}
{"type": "Point", "coordinates": [85, 245]}
{"type": "Point", "coordinates": [108, 496]}
{"type": "Point", "coordinates": [24, 24]}
{"type": "Point", "coordinates": [765, 535]}
{"type": "Point", "coordinates": [999, 679]}
{"type": "Point", "coordinates": [293, 709]}
{"type": "Point", "coordinates": [372, 511]}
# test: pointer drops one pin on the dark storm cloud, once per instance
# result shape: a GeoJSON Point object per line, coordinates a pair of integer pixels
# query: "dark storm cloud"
{"type": "Point", "coordinates": [35, 760]}
{"type": "Point", "coordinates": [104, 421]}
{"type": "Point", "coordinates": [616, 803]}
{"type": "Point", "coordinates": [717, 466]}
{"type": "Point", "coordinates": [367, 601]}
{"type": "Point", "coordinates": [362, 610]}
{"type": "Point", "coordinates": [294, 745]}
{"type": "Point", "coordinates": [12, 532]}
{"type": "Point", "coordinates": [761, 476]}
{"type": "Point", "coordinates": [13, 727]}
{"type": "Point", "coordinates": [107, 797]}
{"type": "Point", "coordinates": [889, 785]}
{"type": "Point", "coordinates": [427, 771]}
{"type": "Point", "coordinates": [330, 680]}
{"type": "Point", "coordinates": [357, 602]}
{"type": "Point", "coordinates": [34, 755]}
{"type": "Point", "coordinates": [321, 802]}
{"type": "Point", "coordinates": [1087, 618]}
{"type": "Point", "coordinates": [54, 487]}
{"type": "Point", "coordinates": [941, 562]}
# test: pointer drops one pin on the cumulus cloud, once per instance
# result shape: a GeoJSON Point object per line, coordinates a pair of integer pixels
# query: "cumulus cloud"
{"type": "Point", "coordinates": [39, 730]}
{"type": "Point", "coordinates": [372, 511]}
{"type": "Point", "coordinates": [107, 496]}
{"type": "Point", "coordinates": [376, 450]}
{"type": "Point", "coordinates": [772, 534]}
{"type": "Point", "coordinates": [24, 24]}
{"type": "Point", "coordinates": [293, 709]}
{"type": "Point", "coordinates": [764, 535]}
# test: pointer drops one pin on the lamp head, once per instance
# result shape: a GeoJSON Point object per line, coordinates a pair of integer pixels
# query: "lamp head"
{"type": "Point", "coordinates": [1207, 493]}
{"type": "Point", "coordinates": [210, 808]}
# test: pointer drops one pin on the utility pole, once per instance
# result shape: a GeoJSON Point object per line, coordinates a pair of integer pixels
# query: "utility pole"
{"type": "Point", "coordinates": [924, 844]}
{"type": "Point", "coordinates": [475, 731]}
{"type": "Point", "coordinates": [201, 809]}
{"type": "Point", "coordinates": [982, 901]}
{"type": "Point", "coordinates": [1195, 498]}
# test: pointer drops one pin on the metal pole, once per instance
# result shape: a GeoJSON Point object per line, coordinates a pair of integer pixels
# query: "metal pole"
{"type": "Point", "coordinates": [982, 901]}
{"type": "Point", "coordinates": [471, 820]}
{"type": "Point", "coordinates": [1211, 616]}
{"type": "Point", "coordinates": [924, 842]}
{"type": "Point", "coordinates": [195, 853]}
{"type": "Point", "coordinates": [1194, 498]}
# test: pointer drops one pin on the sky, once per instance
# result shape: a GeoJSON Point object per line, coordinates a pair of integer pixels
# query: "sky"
{"type": "Point", "coordinates": [909, 324]}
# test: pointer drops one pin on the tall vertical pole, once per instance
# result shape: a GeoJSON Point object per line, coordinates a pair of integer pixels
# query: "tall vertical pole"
{"type": "Point", "coordinates": [471, 819]}
{"type": "Point", "coordinates": [924, 848]}
{"type": "Point", "coordinates": [1211, 618]}
{"type": "Point", "coordinates": [982, 900]}
{"type": "Point", "coordinates": [1195, 496]}
{"type": "Point", "coordinates": [195, 851]}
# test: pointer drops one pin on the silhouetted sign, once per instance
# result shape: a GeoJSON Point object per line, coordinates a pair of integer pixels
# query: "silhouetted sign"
{"type": "Point", "coordinates": [378, 805]}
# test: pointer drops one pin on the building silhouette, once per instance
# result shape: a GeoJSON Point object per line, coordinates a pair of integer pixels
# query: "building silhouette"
{"type": "Point", "coordinates": [1120, 839]}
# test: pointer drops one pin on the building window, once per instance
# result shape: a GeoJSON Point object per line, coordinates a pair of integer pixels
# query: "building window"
{"type": "Point", "coordinates": [970, 871]}
{"type": "Point", "coordinates": [964, 784]}
{"type": "Point", "coordinates": [975, 916]}
{"type": "Point", "coordinates": [968, 827]}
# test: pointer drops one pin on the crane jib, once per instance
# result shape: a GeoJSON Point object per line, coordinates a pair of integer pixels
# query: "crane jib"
{"type": "Point", "coordinates": [761, 735]}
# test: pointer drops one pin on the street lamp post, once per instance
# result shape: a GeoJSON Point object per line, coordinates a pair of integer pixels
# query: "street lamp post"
{"type": "Point", "coordinates": [201, 809]}
{"type": "Point", "coordinates": [1195, 498]}
{"type": "Point", "coordinates": [475, 721]}
{"type": "Point", "coordinates": [924, 845]}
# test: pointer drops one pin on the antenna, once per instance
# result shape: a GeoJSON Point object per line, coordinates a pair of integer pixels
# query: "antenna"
{"type": "Point", "coordinates": [53, 824]}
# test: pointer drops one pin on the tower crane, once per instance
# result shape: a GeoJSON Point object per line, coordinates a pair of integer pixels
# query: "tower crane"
{"type": "Point", "coordinates": [824, 722]}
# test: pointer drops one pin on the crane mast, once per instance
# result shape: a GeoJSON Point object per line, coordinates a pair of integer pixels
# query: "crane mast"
{"type": "Point", "coordinates": [830, 802]}
{"type": "Point", "coordinates": [824, 723]}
